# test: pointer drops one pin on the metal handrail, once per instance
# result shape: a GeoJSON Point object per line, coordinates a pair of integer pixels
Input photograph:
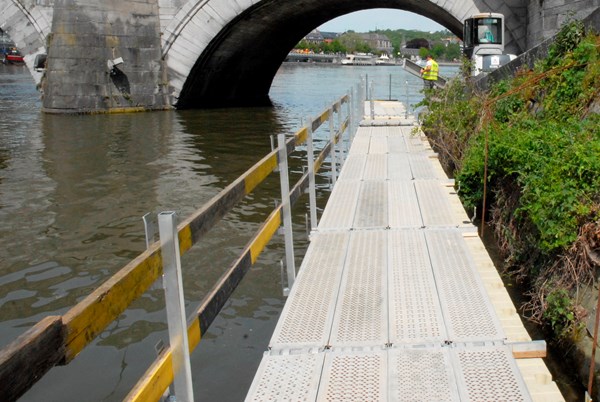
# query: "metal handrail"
{"type": "Point", "coordinates": [58, 339]}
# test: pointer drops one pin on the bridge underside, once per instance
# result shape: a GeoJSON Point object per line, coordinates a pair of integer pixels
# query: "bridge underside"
{"type": "Point", "coordinates": [238, 66]}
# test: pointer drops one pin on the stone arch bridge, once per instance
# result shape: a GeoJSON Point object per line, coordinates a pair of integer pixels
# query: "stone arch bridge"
{"type": "Point", "coordinates": [118, 55]}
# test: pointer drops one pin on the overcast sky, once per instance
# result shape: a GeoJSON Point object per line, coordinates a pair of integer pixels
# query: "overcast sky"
{"type": "Point", "coordinates": [380, 18]}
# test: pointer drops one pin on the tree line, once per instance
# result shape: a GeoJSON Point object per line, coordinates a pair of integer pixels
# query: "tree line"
{"type": "Point", "coordinates": [352, 42]}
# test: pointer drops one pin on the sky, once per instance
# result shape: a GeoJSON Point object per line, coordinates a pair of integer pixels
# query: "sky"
{"type": "Point", "coordinates": [380, 18]}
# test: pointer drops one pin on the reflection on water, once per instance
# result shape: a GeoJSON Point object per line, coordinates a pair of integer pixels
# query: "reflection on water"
{"type": "Point", "coordinates": [72, 193]}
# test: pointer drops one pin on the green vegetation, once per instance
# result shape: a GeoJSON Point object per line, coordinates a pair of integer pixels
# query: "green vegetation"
{"type": "Point", "coordinates": [560, 314]}
{"type": "Point", "coordinates": [351, 42]}
{"type": "Point", "coordinates": [535, 143]}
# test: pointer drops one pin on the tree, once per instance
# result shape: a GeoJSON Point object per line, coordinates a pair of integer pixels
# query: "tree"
{"type": "Point", "coordinates": [453, 51]}
{"type": "Point", "coordinates": [417, 43]}
{"type": "Point", "coordinates": [354, 43]}
{"type": "Point", "coordinates": [438, 50]}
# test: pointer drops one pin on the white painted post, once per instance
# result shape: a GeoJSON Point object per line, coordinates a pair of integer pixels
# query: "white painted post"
{"type": "Point", "coordinates": [333, 147]}
{"type": "Point", "coordinates": [173, 283]}
{"type": "Point", "coordinates": [287, 213]}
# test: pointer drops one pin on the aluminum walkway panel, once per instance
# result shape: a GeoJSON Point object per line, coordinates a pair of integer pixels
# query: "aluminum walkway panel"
{"type": "Point", "coordinates": [287, 378]}
{"type": "Point", "coordinates": [421, 375]}
{"type": "Point", "coordinates": [489, 373]}
{"type": "Point", "coordinates": [415, 311]}
{"type": "Point", "coordinates": [399, 168]}
{"type": "Point", "coordinates": [389, 303]}
{"type": "Point", "coordinates": [357, 376]}
{"type": "Point", "coordinates": [434, 203]}
{"type": "Point", "coordinates": [372, 208]}
{"type": "Point", "coordinates": [440, 373]}
{"type": "Point", "coordinates": [376, 167]}
{"type": "Point", "coordinates": [361, 311]}
{"type": "Point", "coordinates": [354, 167]}
{"type": "Point", "coordinates": [306, 317]}
{"type": "Point", "coordinates": [343, 199]}
{"type": "Point", "coordinates": [466, 305]}
{"type": "Point", "coordinates": [404, 211]}
{"type": "Point", "coordinates": [422, 168]}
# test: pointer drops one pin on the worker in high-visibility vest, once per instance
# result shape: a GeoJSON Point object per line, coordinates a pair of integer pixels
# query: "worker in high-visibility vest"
{"type": "Point", "coordinates": [430, 73]}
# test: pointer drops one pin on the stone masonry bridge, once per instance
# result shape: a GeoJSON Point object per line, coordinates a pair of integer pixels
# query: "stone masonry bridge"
{"type": "Point", "coordinates": [199, 53]}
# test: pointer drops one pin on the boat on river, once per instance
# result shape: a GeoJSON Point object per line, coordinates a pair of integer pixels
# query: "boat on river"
{"type": "Point", "coordinates": [384, 60]}
{"type": "Point", "coordinates": [359, 59]}
{"type": "Point", "coordinates": [12, 56]}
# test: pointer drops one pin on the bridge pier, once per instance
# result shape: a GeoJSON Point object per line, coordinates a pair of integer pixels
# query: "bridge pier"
{"type": "Point", "coordinates": [103, 57]}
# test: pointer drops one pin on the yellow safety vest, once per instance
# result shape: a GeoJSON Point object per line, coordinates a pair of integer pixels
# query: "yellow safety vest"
{"type": "Point", "coordinates": [432, 74]}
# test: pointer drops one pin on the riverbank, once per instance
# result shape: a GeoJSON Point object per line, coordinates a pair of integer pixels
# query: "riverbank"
{"type": "Point", "coordinates": [525, 156]}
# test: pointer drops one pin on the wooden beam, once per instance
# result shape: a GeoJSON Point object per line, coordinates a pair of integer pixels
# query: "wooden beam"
{"type": "Point", "coordinates": [528, 350]}
{"type": "Point", "coordinates": [30, 356]}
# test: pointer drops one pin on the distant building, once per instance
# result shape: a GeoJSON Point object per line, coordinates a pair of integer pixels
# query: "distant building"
{"type": "Point", "coordinates": [329, 37]}
{"type": "Point", "coordinates": [317, 37]}
{"type": "Point", "coordinates": [379, 42]}
{"type": "Point", "coordinates": [451, 39]}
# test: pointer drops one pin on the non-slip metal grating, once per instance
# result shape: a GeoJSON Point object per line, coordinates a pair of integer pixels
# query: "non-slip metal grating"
{"type": "Point", "coordinates": [361, 313]}
{"type": "Point", "coordinates": [399, 168]}
{"type": "Point", "coordinates": [379, 131]}
{"type": "Point", "coordinates": [356, 377]}
{"type": "Point", "coordinates": [489, 374]}
{"type": "Point", "coordinates": [434, 202]}
{"type": "Point", "coordinates": [414, 143]}
{"type": "Point", "coordinates": [372, 208]}
{"type": "Point", "coordinates": [378, 145]}
{"type": "Point", "coordinates": [422, 168]}
{"type": "Point", "coordinates": [354, 167]}
{"type": "Point", "coordinates": [360, 144]}
{"type": "Point", "coordinates": [421, 375]}
{"type": "Point", "coordinates": [388, 304]}
{"type": "Point", "coordinates": [415, 312]}
{"type": "Point", "coordinates": [376, 167]}
{"type": "Point", "coordinates": [341, 206]}
{"type": "Point", "coordinates": [397, 144]}
{"type": "Point", "coordinates": [404, 211]}
{"type": "Point", "coordinates": [287, 378]}
{"type": "Point", "coordinates": [468, 312]}
{"type": "Point", "coordinates": [307, 315]}
{"type": "Point", "coordinates": [479, 373]}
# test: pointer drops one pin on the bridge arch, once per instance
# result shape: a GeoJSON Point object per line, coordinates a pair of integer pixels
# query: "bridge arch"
{"type": "Point", "coordinates": [28, 23]}
{"type": "Point", "coordinates": [223, 52]}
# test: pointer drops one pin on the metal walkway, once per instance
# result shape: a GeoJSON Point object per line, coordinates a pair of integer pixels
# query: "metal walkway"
{"type": "Point", "coordinates": [396, 299]}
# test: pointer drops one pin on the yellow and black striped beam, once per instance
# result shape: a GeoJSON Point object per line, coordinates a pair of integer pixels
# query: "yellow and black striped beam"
{"type": "Point", "coordinates": [86, 320]}
{"type": "Point", "coordinates": [157, 378]}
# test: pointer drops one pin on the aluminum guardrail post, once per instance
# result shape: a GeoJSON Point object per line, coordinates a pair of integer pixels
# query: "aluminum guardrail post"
{"type": "Point", "coordinates": [312, 187]}
{"type": "Point", "coordinates": [286, 209]}
{"type": "Point", "coordinates": [176, 318]}
{"type": "Point", "coordinates": [372, 103]}
{"type": "Point", "coordinates": [333, 146]}
{"type": "Point", "coordinates": [351, 112]}
{"type": "Point", "coordinates": [149, 229]}
{"type": "Point", "coordinates": [406, 108]}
